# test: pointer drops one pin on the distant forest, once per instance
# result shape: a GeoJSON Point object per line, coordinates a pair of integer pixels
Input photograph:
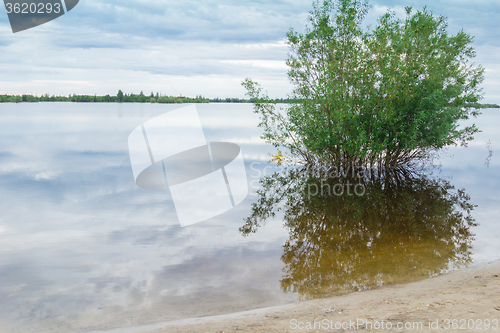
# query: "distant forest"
{"type": "Point", "coordinates": [487, 106]}
{"type": "Point", "coordinates": [125, 98]}
{"type": "Point", "coordinates": [142, 98]}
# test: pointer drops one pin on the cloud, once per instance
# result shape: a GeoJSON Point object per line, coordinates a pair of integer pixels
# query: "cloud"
{"type": "Point", "coordinates": [188, 20]}
{"type": "Point", "coordinates": [190, 47]}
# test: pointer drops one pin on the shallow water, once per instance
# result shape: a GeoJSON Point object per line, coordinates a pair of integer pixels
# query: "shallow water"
{"type": "Point", "coordinates": [84, 248]}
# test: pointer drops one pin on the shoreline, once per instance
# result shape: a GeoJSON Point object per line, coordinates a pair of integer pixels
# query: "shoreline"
{"type": "Point", "coordinates": [469, 296]}
{"type": "Point", "coordinates": [232, 100]}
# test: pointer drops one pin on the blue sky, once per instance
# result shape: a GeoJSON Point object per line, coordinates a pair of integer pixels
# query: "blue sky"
{"type": "Point", "coordinates": [202, 47]}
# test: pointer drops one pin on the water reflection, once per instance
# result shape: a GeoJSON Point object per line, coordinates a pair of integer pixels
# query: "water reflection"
{"type": "Point", "coordinates": [83, 248]}
{"type": "Point", "coordinates": [405, 225]}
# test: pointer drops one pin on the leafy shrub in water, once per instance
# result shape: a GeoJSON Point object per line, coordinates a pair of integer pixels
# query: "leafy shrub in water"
{"type": "Point", "coordinates": [386, 96]}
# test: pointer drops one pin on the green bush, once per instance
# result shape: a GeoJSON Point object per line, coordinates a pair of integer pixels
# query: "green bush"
{"type": "Point", "coordinates": [380, 97]}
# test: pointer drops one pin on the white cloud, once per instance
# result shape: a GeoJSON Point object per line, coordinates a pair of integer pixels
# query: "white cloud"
{"type": "Point", "coordinates": [189, 47]}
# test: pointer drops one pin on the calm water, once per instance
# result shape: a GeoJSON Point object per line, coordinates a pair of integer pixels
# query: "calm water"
{"type": "Point", "coordinates": [83, 248]}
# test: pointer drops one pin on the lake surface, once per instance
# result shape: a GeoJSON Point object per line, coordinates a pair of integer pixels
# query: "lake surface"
{"type": "Point", "coordinates": [82, 247]}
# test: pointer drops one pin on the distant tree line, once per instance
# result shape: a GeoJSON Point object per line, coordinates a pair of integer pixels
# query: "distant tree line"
{"type": "Point", "coordinates": [31, 98]}
{"type": "Point", "coordinates": [486, 106]}
{"type": "Point", "coordinates": [247, 100]}
{"type": "Point", "coordinates": [151, 98]}
{"type": "Point", "coordinates": [120, 97]}
{"type": "Point", "coordinates": [126, 98]}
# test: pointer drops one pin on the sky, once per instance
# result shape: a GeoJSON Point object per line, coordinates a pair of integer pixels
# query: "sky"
{"type": "Point", "coordinates": [204, 47]}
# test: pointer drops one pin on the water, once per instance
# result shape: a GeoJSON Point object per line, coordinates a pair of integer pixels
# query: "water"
{"type": "Point", "coordinates": [84, 248]}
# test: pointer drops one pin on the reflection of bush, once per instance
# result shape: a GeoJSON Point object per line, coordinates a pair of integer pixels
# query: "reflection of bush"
{"type": "Point", "coordinates": [405, 227]}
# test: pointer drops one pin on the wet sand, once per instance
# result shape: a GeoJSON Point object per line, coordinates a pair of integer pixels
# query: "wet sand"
{"type": "Point", "coordinates": [466, 300]}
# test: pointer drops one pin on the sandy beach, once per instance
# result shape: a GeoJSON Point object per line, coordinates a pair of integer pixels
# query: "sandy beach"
{"type": "Point", "coordinates": [466, 300]}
